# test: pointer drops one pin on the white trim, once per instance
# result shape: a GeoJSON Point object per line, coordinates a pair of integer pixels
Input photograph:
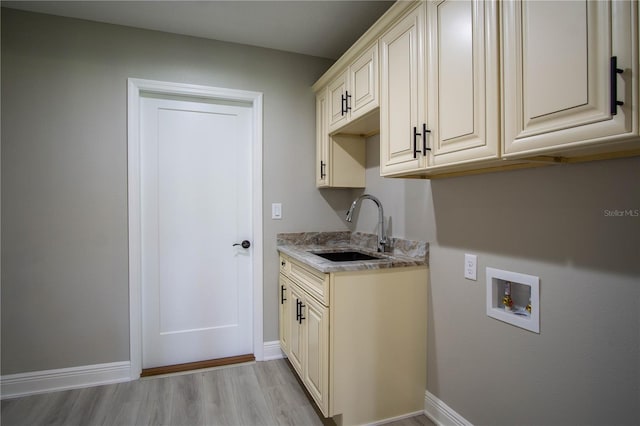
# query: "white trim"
{"type": "Point", "coordinates": [440, 413]}
{"type": "Point", "coordinates": [272, 351]}
{"type": "Point", "coordinates": [22, 384]}
{"type": "Point", "coordinates": [135, 86]}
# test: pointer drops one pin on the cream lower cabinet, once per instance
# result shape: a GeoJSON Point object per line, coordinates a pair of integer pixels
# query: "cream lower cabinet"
{"type": "Point", "coordinates": [357, 339]}
{"type": "Point", "coordinates": [561, 91]}
{"type": "Point", "coordinates": [305, 318]}
{"type": "Point", "coordinates": [312, 327]}
{"type": "Point", "coordinates": [285, 303]}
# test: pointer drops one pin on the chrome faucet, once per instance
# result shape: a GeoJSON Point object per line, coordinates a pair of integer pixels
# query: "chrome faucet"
{"type": "Point", "coordinates": [383, 243]}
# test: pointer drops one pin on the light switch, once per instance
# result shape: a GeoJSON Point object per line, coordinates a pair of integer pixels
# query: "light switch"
{"type": "Point", "coordinates": [471, 267]}
{"type": "Point", "coordinates": [276, 211]}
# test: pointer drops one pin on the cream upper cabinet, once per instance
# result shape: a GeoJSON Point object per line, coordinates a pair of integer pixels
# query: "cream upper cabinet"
{"type": "Point", "coordinates": [354, 92]}
{"type": "Point", "coordinates": [322, 140]}
{"type": "Point", "coordinates": [470, 86]}
{"type": "Point", "coordinates": [403, 95]}
{"type": "Point", "coordinates": [561, 90]}
{"type": "Point", "coordinates": [338, 97]}
{"type": "Point", "coordinates": [340, 159]}
{"type": "Point", "coordinates": [446, 112]}
{"type": "Point", "coordinates": [463, 81]}
{"type": "Point", "coordinates": [363, 79]}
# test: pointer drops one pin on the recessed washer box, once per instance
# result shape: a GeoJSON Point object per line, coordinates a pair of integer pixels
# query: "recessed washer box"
{"type": "Point", "coordinates": [525, 290]}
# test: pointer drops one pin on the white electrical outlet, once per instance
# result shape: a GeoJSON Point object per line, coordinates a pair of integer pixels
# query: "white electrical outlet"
{"type": "Point", "coordinates": [471, 267]}
{"type": "Point", "coordinates": [276, 211]}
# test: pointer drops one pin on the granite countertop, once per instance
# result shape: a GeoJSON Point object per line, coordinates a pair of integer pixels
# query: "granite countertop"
{"type": "Point", "coordinates": [403, 253]}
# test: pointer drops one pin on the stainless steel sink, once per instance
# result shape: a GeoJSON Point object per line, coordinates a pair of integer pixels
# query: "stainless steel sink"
{"type": "Point", "coordinates": [345, 256]}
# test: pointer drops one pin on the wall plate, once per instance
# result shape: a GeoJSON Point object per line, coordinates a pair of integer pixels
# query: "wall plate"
{"type": "Point", "coordinates": [471, 267]}
{"type": "Point", "coordinates": [276, 211]}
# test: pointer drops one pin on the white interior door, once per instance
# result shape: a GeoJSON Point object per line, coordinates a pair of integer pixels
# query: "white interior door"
{"type": "Point", "coordinates": [195, 204]}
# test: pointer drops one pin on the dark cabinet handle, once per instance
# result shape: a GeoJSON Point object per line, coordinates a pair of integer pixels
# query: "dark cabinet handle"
{"type": "Point", "coordinates": [423, 135]}
{"type": "Point", "coordinates": [613, 75]}
{"type": "Point", "coordinates": [283, 263]}
{"type": "Point", "coordinates": [282, 298]}
{"type": "Point", "coordinates": [322, 166]}
{"type": "Point", "coordinates": [424, 139]}
{"type": "Point", "coordinates": [302, 305]}
{"type": "Point", "coordinates": [245, 244]}
{"type": "Point", "coordinates": [344, 103]}
{"type": "Point", "coordinates": [298, 310]}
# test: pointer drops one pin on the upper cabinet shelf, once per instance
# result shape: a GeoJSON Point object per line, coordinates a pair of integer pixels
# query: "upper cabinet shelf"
{"type": "Point", "coordinates": [470, 86]}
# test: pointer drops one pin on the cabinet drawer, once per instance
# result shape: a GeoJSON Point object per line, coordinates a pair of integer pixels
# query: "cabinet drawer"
{"type": "Point", "coordinates": [285, 265]}
{"type": "Point", "coordinates": [313, 282]}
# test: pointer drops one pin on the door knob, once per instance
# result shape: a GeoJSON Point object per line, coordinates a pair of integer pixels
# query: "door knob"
{"type": "Point", "coordinates": [245, 244]}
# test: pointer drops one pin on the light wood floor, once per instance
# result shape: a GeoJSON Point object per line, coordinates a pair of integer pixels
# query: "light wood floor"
{"type": "Point", "coordinates": [263, 393]}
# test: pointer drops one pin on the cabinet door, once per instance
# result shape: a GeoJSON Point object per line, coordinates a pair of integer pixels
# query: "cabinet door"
{"type": "Point", "coordinates": [296, 340]}
{"type": "Point", "coordinates": [402, 94]}
{"type": "Point", "coordinates": [556, 73]}
{"type": "Point", "coordinates": [363, 87]}
{"type": "Point", "coordinates": [284, 300]}
{"type": "Point", "coordinates": [463, 80]}
{"type": "Point", "coordinates": [322, 141]}
{"type": "Point", "coordinates": [316, 352]}
{"type": "Point", "coordinates": [336, 93]}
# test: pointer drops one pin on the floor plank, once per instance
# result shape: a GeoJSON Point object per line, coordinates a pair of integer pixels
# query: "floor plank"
{"type": "Point", "coordinates": [413, 421]}
{"type": "Point", "coordinates": [263, 393]}
{"type": "Point", "coordinates": [155, 402]}
{"type": "Point", "coordinates": [187, 403]}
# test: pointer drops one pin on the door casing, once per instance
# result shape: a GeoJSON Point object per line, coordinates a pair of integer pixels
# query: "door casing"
{"type": "Point", "coordinates": [135, 87]}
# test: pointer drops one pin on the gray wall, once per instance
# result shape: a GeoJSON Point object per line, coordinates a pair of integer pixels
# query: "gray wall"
{"type": "Point", "coordinates": [64, 174]}
{"type": "Point", "coordinates": [584, 366]}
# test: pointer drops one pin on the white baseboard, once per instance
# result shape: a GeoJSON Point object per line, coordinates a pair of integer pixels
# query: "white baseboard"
{"type": "Point", "coordinates": [440, 413]}
{"type": "Point", "coordinates": [272, 351]}
{"type": "Point", "coordinates": [22, 384]}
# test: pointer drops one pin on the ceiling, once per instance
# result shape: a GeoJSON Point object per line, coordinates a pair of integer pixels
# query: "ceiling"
{"type": "Point", "coordinates": [324, 28]}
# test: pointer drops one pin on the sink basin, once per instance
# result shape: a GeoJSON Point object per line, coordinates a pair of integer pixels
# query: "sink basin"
{"type": "Point", "coordinates": [345, 256]}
